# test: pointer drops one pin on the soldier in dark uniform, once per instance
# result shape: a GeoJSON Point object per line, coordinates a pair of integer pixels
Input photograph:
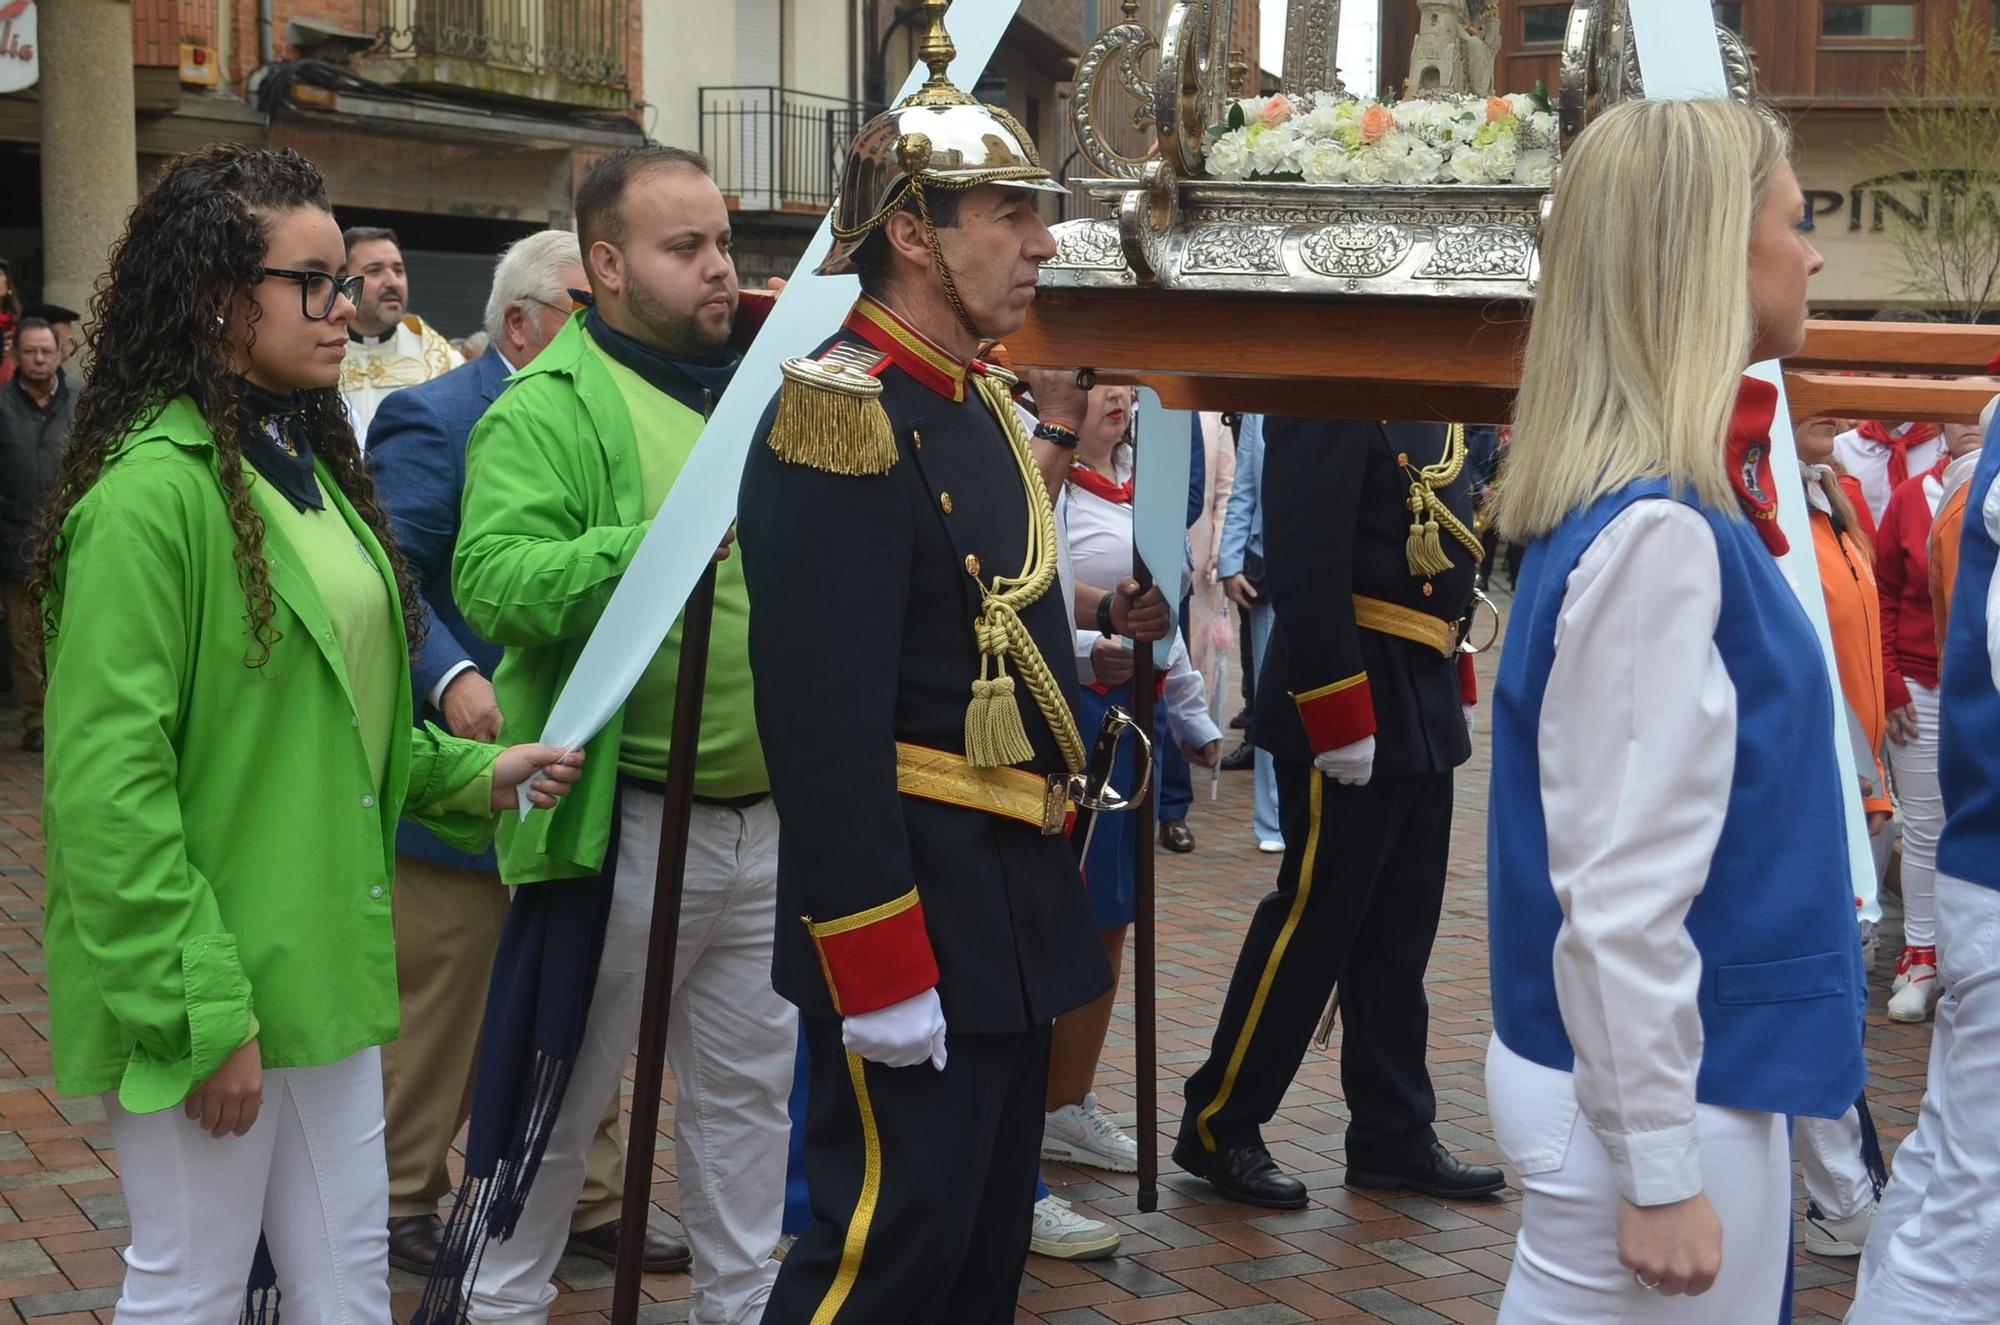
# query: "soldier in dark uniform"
{"type": "Point", "coordinates": [1364, 701]}
{"type": "Point", "coordinates": [912, 645]}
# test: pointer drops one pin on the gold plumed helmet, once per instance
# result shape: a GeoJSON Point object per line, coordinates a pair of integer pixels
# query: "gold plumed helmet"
{"type": "Point", "coordinates": [938, 138]}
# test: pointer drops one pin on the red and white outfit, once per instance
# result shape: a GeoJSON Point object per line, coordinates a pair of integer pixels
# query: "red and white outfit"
{"type": "Point", "coordinates": [1882, 456]}
{"type": "Point", "coordinates": [1910, 679]}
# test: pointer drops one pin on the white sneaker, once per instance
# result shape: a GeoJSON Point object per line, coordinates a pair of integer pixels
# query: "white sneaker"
{"type": "Point", "coordinates": [1084, 1134]}
{"type": "Point", "coordinates": [1066, 1235]}
{"type": "Point", "coordinates": [1272, 848]}
{"type": "Point", "coordinates": [1837, 1237]}
{"type": "Point", "coordinates": [1914, 1001]}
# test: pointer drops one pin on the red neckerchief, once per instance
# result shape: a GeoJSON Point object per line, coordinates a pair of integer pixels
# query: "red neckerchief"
{"type": "Point", "coordinates": [1899, 444]}
{"type": "Point", "coordinates": [1094, 483]}
{"type": "Point", "coordinates": [1749, 455]}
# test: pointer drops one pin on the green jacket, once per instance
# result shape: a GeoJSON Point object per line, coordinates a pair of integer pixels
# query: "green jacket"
{"type": "Point", "coordinates": [219, 858]}
{"type": "Point", "coordinates": [554, 508]}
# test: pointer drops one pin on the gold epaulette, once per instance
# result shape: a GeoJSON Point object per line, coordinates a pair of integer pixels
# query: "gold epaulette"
{"type": "Point", "coordinates": [830, 414]}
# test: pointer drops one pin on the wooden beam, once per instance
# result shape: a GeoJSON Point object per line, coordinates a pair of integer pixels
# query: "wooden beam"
{"type": "Point", "coordinates": [1904, 399]}
{"type": "Point", "coordinates": [1905, 347]}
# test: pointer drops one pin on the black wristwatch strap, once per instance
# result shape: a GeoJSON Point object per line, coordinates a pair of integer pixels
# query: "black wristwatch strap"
{"type": "Point", "coordinates": [1104, 626]}
{"type": "Point", "coordinates": [1055, 432]}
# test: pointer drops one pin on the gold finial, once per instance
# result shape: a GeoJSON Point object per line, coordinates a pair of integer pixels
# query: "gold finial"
{"type": "Point", "coordinates": [1239, 70]}
{"type": "Point", "coordinates": [1131, 8]}
{"type": "Point", "coordinates": [937, 53]}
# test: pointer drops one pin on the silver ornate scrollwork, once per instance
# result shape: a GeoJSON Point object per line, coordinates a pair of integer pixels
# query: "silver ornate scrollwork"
{"type": "Point", "coordinates": [1191, 88]}
{"type": "Point", "coordinates": [1739, 72]}
{"type": "Point", "coordinates": [1473, 252]}
{"type": "Point", "coordinates": [1358, 250]}
{"type": "Point", "coordinates": [1236, 250]}
{"type": "Point", "coordinates": [1312, 46]}
{"type": "Point", "coordinates": [1128, 44]}
{"type": "Point", "coordinates": [1090, 245]}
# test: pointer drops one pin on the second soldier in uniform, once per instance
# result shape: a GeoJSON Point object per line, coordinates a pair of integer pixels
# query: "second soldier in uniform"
{"type": "Point", "coordinates": [1364, 701]}
{"type": "Point", "coordinates": [902, 564]}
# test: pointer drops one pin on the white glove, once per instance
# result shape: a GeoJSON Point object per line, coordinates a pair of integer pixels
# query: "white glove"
{"type": "Point", "coordinates": [1471, 720]}
{"type": "Point", "coordinates": [900, 1035]}
{"type": "Point", "coordinates": [1350, 765]}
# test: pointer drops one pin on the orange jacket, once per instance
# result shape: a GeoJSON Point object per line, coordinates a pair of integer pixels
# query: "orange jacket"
{"type": "Point", "coordinates": [1854, 616]}
{"type": "Point", "coordinates": [1945, 532]}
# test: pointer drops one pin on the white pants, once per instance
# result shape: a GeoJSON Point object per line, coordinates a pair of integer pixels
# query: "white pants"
{"type": "Point", "coordinates": [1921, 805]}
{"type": "Point", "coordinates": [1829, 1154]}
{"type": "Point", "coordinates": [730, 1045]}
{"type": "Point", "coordinates": [1264, 804]}
{"type": "Point", "coordinates": [1933, 1255]}
{"type": "Point", "coordinates": [310, 1174]}
{"type": "Point", "coordinates": [1566, 1268]}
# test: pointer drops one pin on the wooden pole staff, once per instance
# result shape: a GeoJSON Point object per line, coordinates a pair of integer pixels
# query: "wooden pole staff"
{"type": "Point", "coordinates": [1145, 1068]}
{"type": "Point", "coordinates": [635, 1214]}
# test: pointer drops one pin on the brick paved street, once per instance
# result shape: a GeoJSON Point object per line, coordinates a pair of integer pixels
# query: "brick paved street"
{"type": "Point", "coordinates": [1347, 1258]}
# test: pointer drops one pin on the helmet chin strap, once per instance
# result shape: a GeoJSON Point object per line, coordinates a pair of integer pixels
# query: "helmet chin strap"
{"type": "Point", "coordinates": [937, 261]}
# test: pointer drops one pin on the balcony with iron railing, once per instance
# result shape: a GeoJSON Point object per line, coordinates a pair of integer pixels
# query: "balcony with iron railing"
{"type": "Point", "coordinates": [568, 52]}
{"type": "Point", "coordinates": [775, 150]}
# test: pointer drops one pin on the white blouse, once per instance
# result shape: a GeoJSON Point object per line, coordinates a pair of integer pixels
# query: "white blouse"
{"type": "Point", "coordinates": [1637, 747]}
{"type": "Point", "coordinates": [1098, 534]}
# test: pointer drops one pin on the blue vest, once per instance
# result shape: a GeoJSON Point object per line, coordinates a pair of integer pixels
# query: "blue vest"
{"type": "Point", "coordinates": [1969, 706]}
{"type": "Point", "coordinates": [1782, 986]}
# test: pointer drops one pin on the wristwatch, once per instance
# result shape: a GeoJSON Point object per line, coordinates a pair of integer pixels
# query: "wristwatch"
{"type": "Point", "coordinates": [1104, 625]}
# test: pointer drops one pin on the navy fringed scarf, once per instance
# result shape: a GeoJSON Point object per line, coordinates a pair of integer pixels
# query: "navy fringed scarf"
{"type": "Point", "coordinates": [536, 1007]}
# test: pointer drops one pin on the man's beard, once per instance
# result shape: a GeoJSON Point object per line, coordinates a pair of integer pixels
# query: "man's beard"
{"type": "Point", "coordinates": [680, 334]}
{"type": "Point", "coordinates": [378, 317]}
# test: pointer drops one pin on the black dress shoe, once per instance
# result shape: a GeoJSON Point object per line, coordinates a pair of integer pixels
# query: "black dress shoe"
{"type": "Point", "coordinates": [414, 1241]}
{"type": "Point", "coordinates": [1241, 722]}
{"type": "Point", "coordinates": [1439, 1173]}
{"type": "Point", "coordinates": [1247, 1174]}
{"type": "Point", "coordinates": [664, 1255]}
{"type": "Point", "coordinates": [1175, 836]}
{"type": "Point", "coordinates": [1242, 757]}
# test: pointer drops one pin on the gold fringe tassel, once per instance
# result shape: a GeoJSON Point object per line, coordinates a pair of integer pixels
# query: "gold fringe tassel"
{"type": "Point", "coordinates": [829, 427]}
{"type": "Point", "coordinates": [1424, 550]}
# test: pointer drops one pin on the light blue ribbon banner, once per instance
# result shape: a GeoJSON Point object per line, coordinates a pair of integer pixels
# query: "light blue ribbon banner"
{"type": "Point", "coordinates": [1680, 58]}
{"type": "Point", "coordinates": [1161, 468]}
{"type": "Point", "coordinates": [701, 505]}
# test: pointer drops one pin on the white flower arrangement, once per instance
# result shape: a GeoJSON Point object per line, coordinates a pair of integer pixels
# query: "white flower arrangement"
{"type": "Point", "coordinates": [1324, 138]}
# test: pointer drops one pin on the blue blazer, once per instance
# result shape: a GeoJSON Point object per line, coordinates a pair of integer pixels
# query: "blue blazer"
{"type": "Point", "coordinates": [416, 453]}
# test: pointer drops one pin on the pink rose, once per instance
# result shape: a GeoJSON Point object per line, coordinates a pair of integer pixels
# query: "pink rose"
{"type": "Point", "coordinates": [1277, 110]}
{"type": "Point", "coordinates": [1376, 122]}
{"type": "Point", "coordinates": [1498, 109]}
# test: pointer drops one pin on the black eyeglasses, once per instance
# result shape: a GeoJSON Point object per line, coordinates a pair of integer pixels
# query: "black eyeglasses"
{"type": "Point", "coordinates": [318, 290]}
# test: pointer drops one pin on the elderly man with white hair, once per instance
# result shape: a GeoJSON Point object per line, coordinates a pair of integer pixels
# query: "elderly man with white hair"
{"type": "Point", "coordinates": [449, 906]}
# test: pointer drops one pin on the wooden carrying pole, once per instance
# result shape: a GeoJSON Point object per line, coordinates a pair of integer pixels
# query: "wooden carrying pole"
{"type": "Point", "coordinates": [1145, 1066]}
{"type": "Point", "coordinates": [634, 1216]}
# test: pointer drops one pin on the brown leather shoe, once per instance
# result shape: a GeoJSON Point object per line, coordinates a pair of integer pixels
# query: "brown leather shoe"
{"type": "Point", "coordinates": [414, 1241]}
{"type": "Point", "coordinates": [664, 1255]}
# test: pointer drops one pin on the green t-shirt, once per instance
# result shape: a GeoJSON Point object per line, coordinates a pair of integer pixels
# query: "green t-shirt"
{"type": "Point", "coordinates": [730, 762]}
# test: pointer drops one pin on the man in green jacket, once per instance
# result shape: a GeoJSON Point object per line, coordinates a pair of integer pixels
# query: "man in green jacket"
{"type": "Point", "coordinates": [563, 476]}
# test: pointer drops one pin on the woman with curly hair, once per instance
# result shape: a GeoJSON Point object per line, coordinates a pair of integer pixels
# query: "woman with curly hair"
{"type": "Point", "coordinates": [229, 748]}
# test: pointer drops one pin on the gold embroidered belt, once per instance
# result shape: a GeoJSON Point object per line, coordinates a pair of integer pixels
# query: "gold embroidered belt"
{"type": "Point", "coordinates": [1011, 793]}
{"type": "Point", "coordinates": [1406, 623]}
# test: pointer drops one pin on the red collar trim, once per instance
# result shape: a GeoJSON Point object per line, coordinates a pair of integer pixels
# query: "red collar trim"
{"type": "Point", "coordinates": [1749, 455]}
{"type": "Point", "coordinates": [909, 349]}
{"type": "Point", "coordinates": [1094, 483]}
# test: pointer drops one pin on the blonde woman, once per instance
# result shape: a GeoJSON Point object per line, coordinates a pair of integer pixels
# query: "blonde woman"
{"type": "Point", "coordinates": [1674, 958]}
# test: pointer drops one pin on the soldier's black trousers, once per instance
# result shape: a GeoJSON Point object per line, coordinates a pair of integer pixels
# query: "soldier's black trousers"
{"type": "Point", "coordinates": [922, 1182]}
{"type": "Point", "coordinates": [1357, 902]}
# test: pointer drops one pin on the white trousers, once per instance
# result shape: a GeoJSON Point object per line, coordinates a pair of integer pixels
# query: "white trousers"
{"type": "Point", "coordinates": [310, 1174]}
{"type": "Point", "coordinates": [1933, 1255]}
{"type": "Point", "coordinates": [730, 1045]}
{"type": "Point", "coordinates": [1829, 1154]}
{"type": "Point", "coordinates": [1920, 804]}
{"type": "Point", "coordinates": [1566, 1268]}
{"type": "Point", "coordinates": [1264, 803]}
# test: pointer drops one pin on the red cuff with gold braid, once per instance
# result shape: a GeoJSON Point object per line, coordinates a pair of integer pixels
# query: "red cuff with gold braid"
{"type": "Point", "coordinates": [877, 957]}
{"type": "Point", "coordinates": [1338, 714]}
{"type": "Point", "coordinates": [1468, 680]}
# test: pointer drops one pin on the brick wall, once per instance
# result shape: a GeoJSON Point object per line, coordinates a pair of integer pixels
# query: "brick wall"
{"type": "Point", "coordinates": [160, 26]}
